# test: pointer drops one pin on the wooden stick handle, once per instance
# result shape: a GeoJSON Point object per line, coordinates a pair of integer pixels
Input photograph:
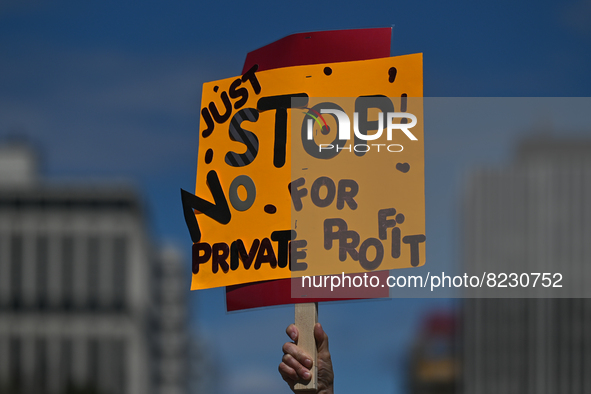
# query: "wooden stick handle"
{"type": "Point", "coordinates": [306, 316]}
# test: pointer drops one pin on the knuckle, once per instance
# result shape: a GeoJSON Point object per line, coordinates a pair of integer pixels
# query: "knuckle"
{"type": "Point", "coordinates": [286, 358]}
{"type": "Point", "coordinates": [286, 347]}
{"type": "Point", "coordinates": [287, 373]}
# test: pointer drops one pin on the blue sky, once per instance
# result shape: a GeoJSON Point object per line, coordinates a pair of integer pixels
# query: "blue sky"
{"type": "Point", "coordinates": [112, 89]}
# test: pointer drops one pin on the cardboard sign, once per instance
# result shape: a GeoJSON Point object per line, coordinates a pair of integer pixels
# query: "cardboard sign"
{"type": "Point", "coordinates": [297, 50]}
{"type": "Point", "coordinates": [245, 224]}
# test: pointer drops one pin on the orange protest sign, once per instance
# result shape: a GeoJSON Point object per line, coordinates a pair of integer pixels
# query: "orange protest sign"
{"type": "Point", "coordinates": [262, 137]}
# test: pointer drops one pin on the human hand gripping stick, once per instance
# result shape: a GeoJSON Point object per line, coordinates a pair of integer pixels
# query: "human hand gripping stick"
{"type": "Point", "coordinates": [296, 364]}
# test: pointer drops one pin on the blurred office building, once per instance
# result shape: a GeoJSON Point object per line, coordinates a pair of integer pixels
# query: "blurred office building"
{"type": "Point", "coordinates": [87, 303]}
{"type": "Point", "coordinates": [532, 217]}
{"type": "Point", "coordinates": [434, 362]}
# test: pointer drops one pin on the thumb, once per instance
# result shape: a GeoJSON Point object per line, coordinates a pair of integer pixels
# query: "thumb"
{"type": "Point", "coordinates": [321, 338]}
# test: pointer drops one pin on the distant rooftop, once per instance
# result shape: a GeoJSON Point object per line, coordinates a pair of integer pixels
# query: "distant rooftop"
{"type": "Point", "coordinates": [19, 164]}
{"type": "Point", "coordinates": [23, 187]}
{"type": "Point", "coordinates": [551, 149]}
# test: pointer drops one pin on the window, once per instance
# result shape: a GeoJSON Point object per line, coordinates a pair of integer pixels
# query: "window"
{"type": "Point", "coordinates": [16, 267]}
{"type": "Point", "coordinates": [42, 269]}
{"type": "Point", "coordinates": [67, 271]}
{"type": "Point", "coordinates": [15, 354]}
{"type": "Point", "coordinates": [66, 358]}
{"type": "Point", "coordinates": [93, 363]}
{"type": "Point", "coordinates": [119, 271]}
{"type": "Point", "coordinates": [40, 380]}
{"type": "Point", "coordinates": [119, 365]}
{"type": "Point", "coordinates": [93, 276]}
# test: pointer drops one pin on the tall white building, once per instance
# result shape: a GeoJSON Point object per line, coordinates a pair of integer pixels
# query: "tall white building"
{"type": "Point", "coordinates": [87, 303]}
{"type": "Point", "coordinates": [533, 216]}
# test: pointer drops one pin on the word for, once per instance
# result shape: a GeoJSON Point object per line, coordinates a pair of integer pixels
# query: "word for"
{"type": "Point", "coordinates": [345, 193]}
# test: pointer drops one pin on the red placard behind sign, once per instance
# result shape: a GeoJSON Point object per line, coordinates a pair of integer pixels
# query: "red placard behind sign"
{"type": "Point", "coordinates": [298, 50]}
{"type": "Point", "coordinates": [322, 47]}
{"type": "Point", "coordinates": [279, 292]}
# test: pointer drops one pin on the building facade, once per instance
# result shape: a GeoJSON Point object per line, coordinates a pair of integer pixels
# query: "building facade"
{"type": "Point", "coordinates": [87, 303]}
{"type": "Point", "coordinates": [533, 216]}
